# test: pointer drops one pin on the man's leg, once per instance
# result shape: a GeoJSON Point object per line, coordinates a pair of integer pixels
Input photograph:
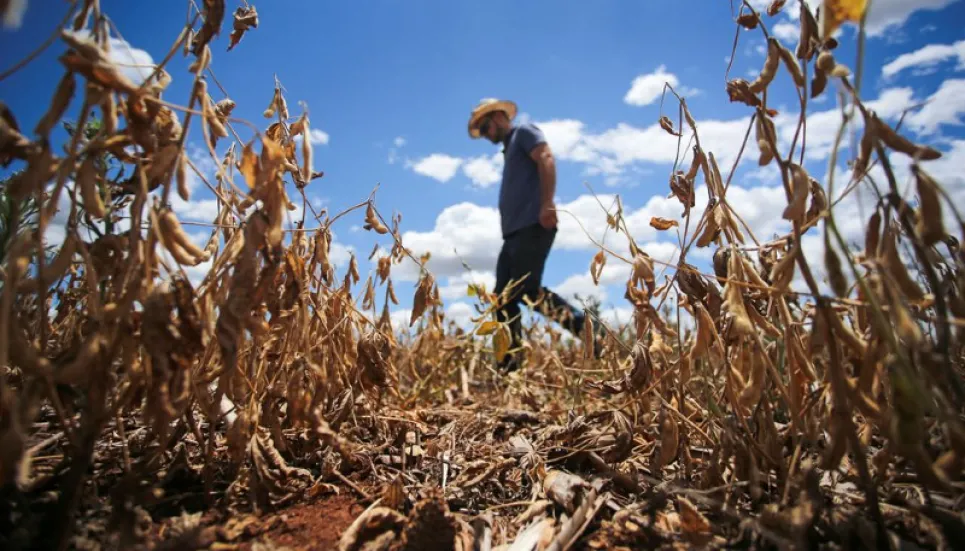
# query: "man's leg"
{"type": "Point", "coordinates": [510, 310]}
{"type": "Point", "coordinates": [551, 304]}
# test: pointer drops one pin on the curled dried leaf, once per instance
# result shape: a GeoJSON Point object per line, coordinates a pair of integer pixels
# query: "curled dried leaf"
{"type": "Point", "coordinates": [748, 21]}
{"type": "Point", "coordinates": [739, 89]}
{"type": "Point", "coordinates": [596, 266]}
{"type": "Point", "coordinates": [372, 221]}
{"type": "Point", "coordinates": [245, 18]}
{"type": "Point", "coordinates": [667, 125]}
{"type": "Point", "coordinates": [775, 7]}
{"type": "Point", "coordinates": [662, 224]}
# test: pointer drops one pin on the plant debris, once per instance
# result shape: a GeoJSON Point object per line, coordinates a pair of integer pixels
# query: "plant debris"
{"type": "Point", "coordinates": [142, 408]}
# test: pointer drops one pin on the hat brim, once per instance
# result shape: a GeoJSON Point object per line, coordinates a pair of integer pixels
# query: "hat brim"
{"type": "Point", "coordinates": [505, 106]}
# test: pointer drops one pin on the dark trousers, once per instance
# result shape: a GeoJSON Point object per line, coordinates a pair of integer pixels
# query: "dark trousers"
{"type": "Point", "coordinates": [524, 254]}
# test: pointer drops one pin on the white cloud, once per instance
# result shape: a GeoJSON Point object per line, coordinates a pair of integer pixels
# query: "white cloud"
{"type": "Point", "coordinates": [484, 171]}
{"type": "Point", "coordinates": [461, 314]}
{"type": "Point", "coordinates": [318, 137]}
{"type": "Point", "coordinates": [884, 15]}
{"type": "Point", "coordinates": [135, 63]}
{"type": "Point", "coordinates": [458, 286]}
{"type": "Point", "coordinates": [399, 141]}
{"type": "Point", "coordinates": [822, 126]}
{"type": "Point", "coordinates": [787, 32]}
{"type": "Point", "coordinates": [463, 232]}
{"type": "Point", "coordinates": [646, 89]}
{"type": "Point", "coordinates": [581, 286]}
{"type": "Point", "coordinates": [945, 106]}
{"type": "Point", "coordinates": [438, 166]}
{"type": "Point", "coordinates": [927, 57]}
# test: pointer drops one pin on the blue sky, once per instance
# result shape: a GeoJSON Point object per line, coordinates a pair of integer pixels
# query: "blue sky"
{"type": "Point", "coordinates": [390, 85]}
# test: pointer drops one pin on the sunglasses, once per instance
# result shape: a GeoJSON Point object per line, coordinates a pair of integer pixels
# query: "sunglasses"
{"type": "Point", "coordinates": [484, 127]}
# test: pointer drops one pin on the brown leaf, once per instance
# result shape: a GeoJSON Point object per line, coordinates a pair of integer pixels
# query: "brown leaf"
{"type": "Point", "coordinates": [663, 224]}
{"type": "Point", "coordinates": [775, 7]}
{"type": "Point", "coordinates": [739, 90]}
{"type": "Point", "coordinates": [565, 489]}
{"type": "Point", "coordinates": [379, 523]}
{"type": "Point", "coordinates": [213, 18]}
{"type": "Point", "coordinates": [748, 21]}
{"type": "Point", "coordinates": [245, 18]}
{"type": "Point", "coordinates": [596, 266]}
{"type": "Point", "coordinates": [372, 221]}
{"type": "Point", "coordinates": [667, 125]}
{"type": "Point", "coordinates": [692, 521]}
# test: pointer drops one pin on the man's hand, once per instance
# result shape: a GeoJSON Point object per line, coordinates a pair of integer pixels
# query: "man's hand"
{"type": "Point", "coordinates": [547, 216]}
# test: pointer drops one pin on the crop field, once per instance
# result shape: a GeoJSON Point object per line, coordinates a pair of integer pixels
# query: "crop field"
{"type": "Point", "coordinates": [277, 404]}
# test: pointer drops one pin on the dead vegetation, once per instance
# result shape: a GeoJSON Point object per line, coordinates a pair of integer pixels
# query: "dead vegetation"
{"type": "Point", "coordinates": [133, 400]}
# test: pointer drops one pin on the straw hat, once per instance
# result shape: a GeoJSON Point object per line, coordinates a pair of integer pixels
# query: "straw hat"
{"type": "Point", "coordinates": [487, 106]}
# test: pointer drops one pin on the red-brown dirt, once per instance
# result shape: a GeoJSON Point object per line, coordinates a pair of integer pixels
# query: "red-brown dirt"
{"type": "Point", "coordinates": [315, 526]}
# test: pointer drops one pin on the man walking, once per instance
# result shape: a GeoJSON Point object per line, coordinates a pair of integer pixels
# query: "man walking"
{"type": "Point", "coordinates": [527, 217]}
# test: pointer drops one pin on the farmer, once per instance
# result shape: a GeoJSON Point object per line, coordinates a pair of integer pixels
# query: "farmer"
{"type": "Point", "coordinates": [528, 219]}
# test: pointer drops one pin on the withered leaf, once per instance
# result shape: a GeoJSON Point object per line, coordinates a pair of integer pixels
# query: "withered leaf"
{"type": "Point", "coordinates": [775, 7]}
{"type": "Point", "coordinates": [245, 18]}
{"type": "Point", "coordinates": [213, 18]}
{"type": "Point", "coordinates": [662, 224]}
{"type": "Point", "coordinates": [667, 125]}
{"type": "Point", "coordinates": [748, 20]}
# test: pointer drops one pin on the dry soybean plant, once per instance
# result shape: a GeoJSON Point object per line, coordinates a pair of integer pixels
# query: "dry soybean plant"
{"type": "Point", "coordinates": [139, 409]}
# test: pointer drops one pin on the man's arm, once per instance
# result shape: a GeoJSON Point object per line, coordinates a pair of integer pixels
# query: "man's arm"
{"type": "Point", "coordinates": [545, 164]}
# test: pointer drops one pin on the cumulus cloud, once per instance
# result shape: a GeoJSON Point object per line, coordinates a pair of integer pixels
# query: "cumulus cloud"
{"type": "Point", "coordinates": [945, 107]}
{"type": "Point", "coordinates": [463, 232]}
{"type": "Point", "coordinates": [787, 32]}
{"type": "Point", "coordinates": [884, 15]}
{"type": "Point", "coordinates": [926, 57]}
{"type": "Point", "coordinates": [648, 88]}
{"type": "Point", "coordinates": [484, 171]}
{"type": "Point", "coordinates": [458, 286]}
{"type": "Point", "coordinates": [438, 166]}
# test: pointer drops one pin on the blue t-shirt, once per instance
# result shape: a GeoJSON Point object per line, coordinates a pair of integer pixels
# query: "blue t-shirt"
{"type": "Point", "coordinates": [519, 193]}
